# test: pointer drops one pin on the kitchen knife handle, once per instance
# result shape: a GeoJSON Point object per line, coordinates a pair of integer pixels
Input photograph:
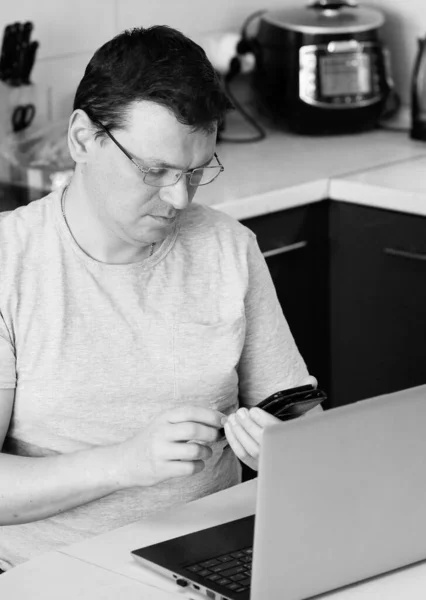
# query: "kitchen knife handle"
{"type": "Point", "coordinates": [4, 49]}
{"type": "Point", "coordinates": [29, 62]}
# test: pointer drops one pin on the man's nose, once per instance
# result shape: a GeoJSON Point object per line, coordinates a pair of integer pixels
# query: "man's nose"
{"type": "Point", "coordinates": [177, 195]}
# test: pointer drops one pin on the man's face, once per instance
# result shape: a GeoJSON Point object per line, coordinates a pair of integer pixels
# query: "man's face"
{"type": "Point", "coordinates": [126, 206]}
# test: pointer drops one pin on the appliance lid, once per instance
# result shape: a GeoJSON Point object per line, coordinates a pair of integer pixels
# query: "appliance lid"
{"type": "Point", "coordinates": [321, 18]}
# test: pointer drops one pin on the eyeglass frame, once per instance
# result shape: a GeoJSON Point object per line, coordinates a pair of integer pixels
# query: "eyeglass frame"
{"type": "Point", "coordinates": [145, 170]}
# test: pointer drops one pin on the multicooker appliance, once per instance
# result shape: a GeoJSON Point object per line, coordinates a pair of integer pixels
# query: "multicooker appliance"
{"type": "Point", "coordinates": [321, 68]}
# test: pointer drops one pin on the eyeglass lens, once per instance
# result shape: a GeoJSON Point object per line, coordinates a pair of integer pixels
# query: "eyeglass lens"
{"type": "Point", "coordinates": [166, 177]}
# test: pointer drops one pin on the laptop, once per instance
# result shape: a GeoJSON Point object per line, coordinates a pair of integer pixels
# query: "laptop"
{"type": "Point", "coordinates": [341, 497]}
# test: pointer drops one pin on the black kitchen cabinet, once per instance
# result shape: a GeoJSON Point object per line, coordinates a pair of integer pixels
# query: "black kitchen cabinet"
{"type": "Point", "coordinates": [377, 262]}
{"type": "Point", "coordinates": [352, 284]}
{"type": "Point", "coordinates": [295, 245]}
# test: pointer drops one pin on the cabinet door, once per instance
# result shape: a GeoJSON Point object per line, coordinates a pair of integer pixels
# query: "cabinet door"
{"type": "Point", "coordinates": [377, 302]}
{"type": "Point", "coordinates": [294, 243]}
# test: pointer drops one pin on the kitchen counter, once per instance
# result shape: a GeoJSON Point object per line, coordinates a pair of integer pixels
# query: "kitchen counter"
{"type": "Point", "coordinates": [382, 168]}
{"type": "Point", "coordinates": [400, 186]}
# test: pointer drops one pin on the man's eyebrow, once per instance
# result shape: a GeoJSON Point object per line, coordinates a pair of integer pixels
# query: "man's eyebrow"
{"type": "Point", "coordinates": [152, 161]}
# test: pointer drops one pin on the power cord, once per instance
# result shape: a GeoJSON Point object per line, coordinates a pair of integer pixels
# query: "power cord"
{"type": "Point", "coordinates": [235, 69]}
{"type": "Point", "coordinates": [244, 46]}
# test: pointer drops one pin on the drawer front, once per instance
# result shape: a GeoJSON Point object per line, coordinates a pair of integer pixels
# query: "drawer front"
{"type": "Point", "coordinates": [289, 230]}
{"type": "Point", "coordinates": [394, 234]}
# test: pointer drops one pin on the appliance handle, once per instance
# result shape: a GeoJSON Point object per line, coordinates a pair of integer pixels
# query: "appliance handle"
{"type": "Point", "coordinates": [332, 4]}
{"type": "Point", "coordinates": [405, 254]}
{"type": "Point", "coordinates": [417, 87]}
{"type": "Point", "coordinates": [284, 249]}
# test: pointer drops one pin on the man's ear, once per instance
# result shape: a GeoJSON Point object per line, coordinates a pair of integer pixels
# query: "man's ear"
{"type": "Point", "coordinates": [81, 136]}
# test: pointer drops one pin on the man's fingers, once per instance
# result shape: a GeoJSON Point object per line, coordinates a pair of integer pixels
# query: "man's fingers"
{"type": "Point", "coordinates": [311, 380]}
{"type": "Point", "coordinates": [262, 418]}
{"type": "Point", "coordinates": [249, 445]}
{"type": "Point", "coordinates": [182, 468]}
{"type": "Point", "coordinates": [192, 451]}
{"type": "Point", "coordinates": [186, 451]}
{"type": "Point", "coordinates": [184, 432]}
{"type": "Point", "coordinates": [236, 446]}
{"type": "Point", "coordinates": [253, 429]}
{"type": "Point", "coordinates": [195, 414]}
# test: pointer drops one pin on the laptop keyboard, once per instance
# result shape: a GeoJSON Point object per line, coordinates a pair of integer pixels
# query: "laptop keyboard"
{"type": "Point", "coordinates": [232, 571]}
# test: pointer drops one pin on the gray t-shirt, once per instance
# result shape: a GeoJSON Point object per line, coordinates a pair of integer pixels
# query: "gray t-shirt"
{"type": "Point", "coordinates": [97, 350]}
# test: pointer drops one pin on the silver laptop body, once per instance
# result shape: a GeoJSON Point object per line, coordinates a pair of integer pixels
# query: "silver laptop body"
{"type": "Point", "coordinates": [341, 497]}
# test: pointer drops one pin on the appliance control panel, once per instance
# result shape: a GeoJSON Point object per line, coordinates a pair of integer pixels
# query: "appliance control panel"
{"type": "Point", "coordinates": [340, 75]}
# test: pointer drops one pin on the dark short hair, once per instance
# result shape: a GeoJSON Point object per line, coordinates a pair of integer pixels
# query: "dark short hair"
{"type": "Point", "coordinates": [159, 64]}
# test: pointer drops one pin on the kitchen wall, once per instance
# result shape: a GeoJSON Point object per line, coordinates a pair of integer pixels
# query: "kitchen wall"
{"type": "Point", "coordinates": [70, 31]}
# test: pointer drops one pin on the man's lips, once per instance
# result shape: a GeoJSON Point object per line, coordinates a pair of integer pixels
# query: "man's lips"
{"type": "Point", "coordinates": [163, 219]}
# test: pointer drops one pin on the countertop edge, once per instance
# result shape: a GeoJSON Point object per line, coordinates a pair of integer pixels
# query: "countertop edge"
{"type": "Point", "coordinates": [375, 196]}
{"type": "Point", "coordinates": [276, 200]}
{"type": "Point", "coordinates": [338, 189]}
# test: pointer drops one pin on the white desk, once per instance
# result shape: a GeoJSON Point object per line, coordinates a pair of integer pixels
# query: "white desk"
{"type": "Point", "coordinates": [102, 569]}
{"type": "Point", "coordinates": [56, 576]}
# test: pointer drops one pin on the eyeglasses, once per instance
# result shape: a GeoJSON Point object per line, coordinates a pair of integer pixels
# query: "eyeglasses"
{"type": "Point", "coordinates": [165, 177]}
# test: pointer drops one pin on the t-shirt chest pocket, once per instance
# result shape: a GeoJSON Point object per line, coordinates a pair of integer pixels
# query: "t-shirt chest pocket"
{"type": "Point", "coordinates": [206, 357]}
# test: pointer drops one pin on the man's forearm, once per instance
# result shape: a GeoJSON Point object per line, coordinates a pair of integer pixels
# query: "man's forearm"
{"type": "Point", "coordinates": [37, 488]}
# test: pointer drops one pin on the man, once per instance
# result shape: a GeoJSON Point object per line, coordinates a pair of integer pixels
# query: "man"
{"type": "Point", "coordinates": [131, 320]}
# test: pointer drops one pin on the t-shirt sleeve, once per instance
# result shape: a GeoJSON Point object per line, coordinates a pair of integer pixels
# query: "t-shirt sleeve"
{"type": "Point", "coordinates": [270, 360]}
{"type": "Point", "coordinates": [7, 358]}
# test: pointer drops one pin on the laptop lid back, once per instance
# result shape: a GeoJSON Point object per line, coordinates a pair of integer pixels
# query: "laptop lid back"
{"type": "Point", "coordinates": [341, 497]}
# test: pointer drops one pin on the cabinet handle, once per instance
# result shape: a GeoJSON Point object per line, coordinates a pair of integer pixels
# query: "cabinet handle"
{"type": "Point", "coordinates": [284, 249]}
{"type": "Point", "coordinates": [405, 254]}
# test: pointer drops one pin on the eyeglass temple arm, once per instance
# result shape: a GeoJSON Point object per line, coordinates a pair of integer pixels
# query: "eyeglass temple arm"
{"type": "Point", "coordinates": [222, 168]}
{"type": "Point", "coordinates": [117, 143]}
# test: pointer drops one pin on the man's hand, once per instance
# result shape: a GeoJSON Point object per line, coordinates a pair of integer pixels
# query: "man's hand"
{"type": "Point", "coordinates": [244, 430]}
{"type": "Point", "coordinates": [172, 445]}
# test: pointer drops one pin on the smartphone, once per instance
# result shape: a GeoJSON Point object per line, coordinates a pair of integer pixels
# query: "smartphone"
{"type": "Point", "coordinates": [291, 403]}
